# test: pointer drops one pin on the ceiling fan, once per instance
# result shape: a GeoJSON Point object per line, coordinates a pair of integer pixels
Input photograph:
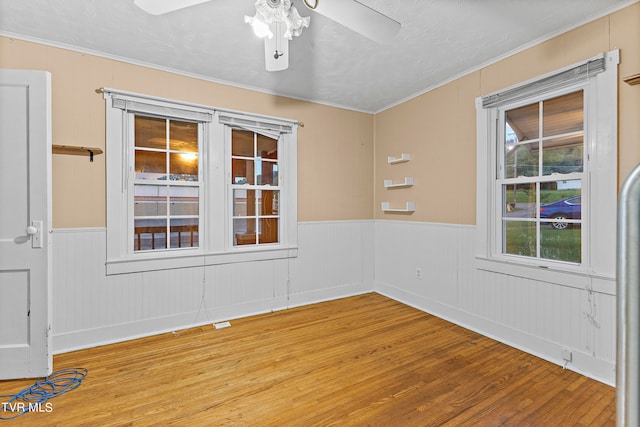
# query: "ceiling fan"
{"type": "Point", "coordinates": [277, 21]}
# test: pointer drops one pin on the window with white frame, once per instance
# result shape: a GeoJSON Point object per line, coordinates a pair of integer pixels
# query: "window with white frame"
{"type": "Point", "coordinates": [540, 175]}
{"type": "Point", "coordinates": [547, 172]}
{"type": "Point", "coordinates": [255, 188]}
{"type": "Point", "coordinates": [166, 183]}
{"type": "Point", "coordinates": [192, 185]}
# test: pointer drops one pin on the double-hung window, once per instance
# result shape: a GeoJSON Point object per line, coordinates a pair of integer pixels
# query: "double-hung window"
{"type": "Point", "coordinates": [255, 188]}
{"type": "Point", "coordinates": [190, 185]}
{"type": "Point", "coordinates": [260, 183]}
{"type": "Point", "coordinates": [547, 173]}
{"type": "Point", "coordinates": [166, 183]}
{"type": "Point", "coordinates": [540, 175]}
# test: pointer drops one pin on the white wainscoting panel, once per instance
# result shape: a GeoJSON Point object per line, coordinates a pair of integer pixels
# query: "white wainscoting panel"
{"type": "Point", "coordinates": [538, 317]}
{"type": "Point", "coordinates": [335, 259]}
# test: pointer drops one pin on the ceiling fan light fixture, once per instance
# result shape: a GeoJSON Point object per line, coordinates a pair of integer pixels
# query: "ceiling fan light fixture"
{"type": "Point", "coordinates": [279, 18]}
{"type": "Point", "coordinates": [295, 23]}
{"type": "Point", "coordinates": [260, 28]}
{"type": "Point", "coordinates": [278, 11]}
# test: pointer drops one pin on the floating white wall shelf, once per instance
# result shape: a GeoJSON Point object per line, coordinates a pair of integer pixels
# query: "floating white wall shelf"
{"type": "Point", "coordinates": [408, 182]}
{"type": "Point", "coordinates": [404, 157]}
{"type": "Point", "coordinates": [409, 207]}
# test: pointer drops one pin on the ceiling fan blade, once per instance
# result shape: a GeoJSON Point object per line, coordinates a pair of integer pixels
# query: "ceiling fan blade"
{"type": "Point", "coordinates": [159, 7]}
{"type": "Point", "coordinates": [359, 18]}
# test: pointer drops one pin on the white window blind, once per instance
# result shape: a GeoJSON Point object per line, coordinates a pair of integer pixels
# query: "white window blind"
{"type": "Point", "coordinates": [158, 109]}
{"type": "Point", "coordinates": [549, 83]}
{"type": "Point", "coordinates": [263, 126]}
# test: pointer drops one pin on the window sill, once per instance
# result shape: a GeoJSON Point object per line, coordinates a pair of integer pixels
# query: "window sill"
{"type": "Point", "coordinates": [575, 279]}
{"type": "Point", "coordinates": [168, 261]}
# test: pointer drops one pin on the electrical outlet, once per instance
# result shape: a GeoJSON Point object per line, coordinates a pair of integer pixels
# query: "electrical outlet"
{"type": "Point", "coordinates": [418, 273]}
{"type": "Point", "coordinates": [567, 356]}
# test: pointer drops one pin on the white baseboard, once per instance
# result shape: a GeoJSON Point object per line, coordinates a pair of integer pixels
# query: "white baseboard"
{"type": "Point", "coordinates": [328, 294]}
{"type": "Point", "coordinates": [109, 334]}
{"type": "Point", "coordinates": [95, 337]}
{"type": "Point", "coordinates": [582, 363]}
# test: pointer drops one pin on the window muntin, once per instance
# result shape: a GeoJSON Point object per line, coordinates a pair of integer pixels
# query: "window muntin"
{"type": "Point", "coordinates": [255, 188]}
{"type": "Point", "coordinates": [542, 141]}
{"type": "Point", "coordinates": [166, 184]}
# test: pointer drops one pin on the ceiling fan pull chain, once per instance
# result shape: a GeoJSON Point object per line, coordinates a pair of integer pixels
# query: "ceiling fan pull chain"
{"type": "Point", "coordinates": [278, 53]}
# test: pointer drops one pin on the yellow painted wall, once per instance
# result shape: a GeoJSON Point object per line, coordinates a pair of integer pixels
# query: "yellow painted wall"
{"type": "Point", "coordinates": [438, 127]}
{"type": "Point", "coordinates": [342, 154]}
{"type": "Point", "coordinates": [335, 147]}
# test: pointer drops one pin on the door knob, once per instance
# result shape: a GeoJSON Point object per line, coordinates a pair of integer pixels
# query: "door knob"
{"type": "Point", "coordinates": [31, 230]}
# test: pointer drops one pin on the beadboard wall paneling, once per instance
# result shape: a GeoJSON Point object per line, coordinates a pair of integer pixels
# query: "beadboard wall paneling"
{"type": "Point", "coordinates": [335, 259]}
{"type": "Point", "coordinates": [538, 317]}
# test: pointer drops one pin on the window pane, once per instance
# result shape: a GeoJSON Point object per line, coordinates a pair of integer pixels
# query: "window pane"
{"type": "Point", "coordinates": [244, 231]}
{"type": "Point", "coordinates": [183, 136]}
{"type": "Point", "coordinates": [268, 230]}
{"type": "Point", "coordinates": [242, 143]}
{"type": "Point", "coordinates": [150, 132]}
{"type": "Point", "coordinates": [244, 202]}
{"type": "Point", "coordinates": [521, 160]}
{"type": "Point", "coordinates": [267, 173]}
{"type": "Point", "coordinates": [150, 165]}
{"type": "Point", "coordinates": [510, 142]}
{"type": "Point", "coordinates": [149, 234]}
{"type": "Point", "coordinates": [268, 202]}
{"type": "Point", "coordinates": [184, 232]}
{"type": "Point", "coordinates": [242, 171]}
{"type": "Point", "coordinates": [259, 172]}
{"type": "Point", "coordinates": [562, 155]}
{"type": "Point", "coordinates": [561, 245]}
{"type": "Point", "coordinates": [524, 121]}
{"type": "Point", "coordinates": [519, 200]}
{"type": "Point", "coordinates": [150, 200]}
{"type": "Point", "coordinates": [184, 166]}
{"type": "Point", "coordinates": [563, 114]}
{"type": "Point", "coordinates": [519, 238]}
{"type": "Point", "coordinates": [184, 201]}
{"type": "Point", "coordinates": [560, 201]}
{"type": "Point", "coordinates": [267, 147]}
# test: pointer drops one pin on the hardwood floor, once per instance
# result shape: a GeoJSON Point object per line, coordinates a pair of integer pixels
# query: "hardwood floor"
{"type": "Point", "coordinates": [364, 360]}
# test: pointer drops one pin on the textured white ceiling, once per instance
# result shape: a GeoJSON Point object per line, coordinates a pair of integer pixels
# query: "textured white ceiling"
{"type": "Point", "coordinates": [328, 63]}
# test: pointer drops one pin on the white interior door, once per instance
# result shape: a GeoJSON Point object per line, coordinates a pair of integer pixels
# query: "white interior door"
{"type": "Point", "coordinates": [25, 220]}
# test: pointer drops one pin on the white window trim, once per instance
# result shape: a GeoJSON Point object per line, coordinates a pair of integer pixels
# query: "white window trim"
{"type": "Point", "coordinates": [598, 266]}
{"type": "Point", "coordinates": [288, 171]}
{"type": "Point", "coordinates": [216, 246]}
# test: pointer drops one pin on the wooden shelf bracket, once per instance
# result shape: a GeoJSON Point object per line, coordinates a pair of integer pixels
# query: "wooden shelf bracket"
{"type": "Point", "coordinates": [633, 80]}
{"type": "Point", "coordinates": [76, 151]}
